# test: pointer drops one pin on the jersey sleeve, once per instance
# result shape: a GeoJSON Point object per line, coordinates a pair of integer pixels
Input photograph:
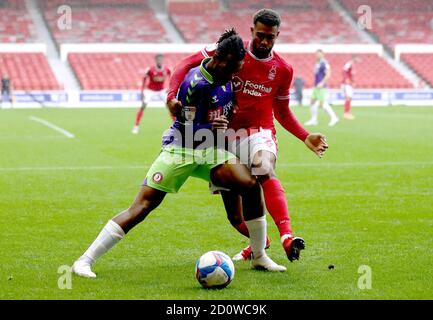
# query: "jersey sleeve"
{"type": "Point", "coordinates": [182, 69]}
{"type": "Point", "coordinates": [287, 119]}
{"type": "Point", "coordinates": [283, 92]}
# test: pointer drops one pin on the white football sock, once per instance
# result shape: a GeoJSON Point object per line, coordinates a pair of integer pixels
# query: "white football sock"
{"type": "Point", "coordinates": [329, 110]}
{"type": "Point", "coordinates": [257, 230]}
{"type": "Point", "coordinates": [111, 234]}
{"type": "Point", "coordinates": [314, 111]}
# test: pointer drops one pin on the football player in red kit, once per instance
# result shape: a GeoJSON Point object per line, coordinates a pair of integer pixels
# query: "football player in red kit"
{"type": "Point", "coordinates": [347, 85]}
{"type": "Point", "coordinates": [154, 87]}
{"type": "Point", "coordinates": [261, 91]}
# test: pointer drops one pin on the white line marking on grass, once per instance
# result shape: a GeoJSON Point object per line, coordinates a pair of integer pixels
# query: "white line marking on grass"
{"type": "Point", "coordinates": [52, 126]}
{"type": "Point", "coordinates": [284, 165]}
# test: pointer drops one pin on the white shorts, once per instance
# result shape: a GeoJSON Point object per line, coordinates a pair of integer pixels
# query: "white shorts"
{"type": "Point", "coordinates": [347, 90]}
{"type": "Point", "coordinates": [150, 95]}
{"type": "Point", "coordinates": [247, 147]}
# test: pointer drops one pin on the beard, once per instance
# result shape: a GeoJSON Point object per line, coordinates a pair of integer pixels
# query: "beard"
{"type": "Point", "coordinates": [262, 53]}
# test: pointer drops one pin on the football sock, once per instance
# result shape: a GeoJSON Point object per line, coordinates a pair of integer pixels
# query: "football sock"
{"type": "Point", "coordinates": [257, 230]}
{"type": "Point", "coordinates": [329, 110]}
{"type": "Point", "coordinates": [276, 203]}
{"type": "Point", "coordinates": [242, 229]}
{"type": "Point", "coordinates": [314, 111]}
{"type": "Point", "coordinates": [111, 234]}
{"type": "Point", "coordinates": [138, 116]}
{"type": "Point", "coordinates": [347, 106]}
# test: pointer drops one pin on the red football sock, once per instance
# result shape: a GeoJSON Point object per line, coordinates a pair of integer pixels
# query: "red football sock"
{"type": "Point", "coordinates": [347, 106]}
{"type": "Point", "coordinates": [242, 228]}
{"type": "Point", "coordinates": [276, 203]}
{"type": "Point", "coordinates": [138, 116]}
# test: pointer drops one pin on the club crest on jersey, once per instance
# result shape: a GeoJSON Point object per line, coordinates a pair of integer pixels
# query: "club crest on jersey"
{"type": "Point", "coordinates": [157, 177]}
{"type": "Point", "coordinates": [272, 72]}
{"type": "Point", "coordinates": [189, 113]}
{"type": "Point", "coordinates": [214, 99]}
{"type": "Point", "coordinates": [237, 84]}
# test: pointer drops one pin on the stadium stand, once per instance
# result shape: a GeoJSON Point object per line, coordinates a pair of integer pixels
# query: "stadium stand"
{"type": "Point", "coordinates": [93, 21]}
{"type": "Point", "coordinates": [309, 21]}
{"type": "Point", "coordinates": [22, 29]}
{"type": "Point", "coordinates": [408, 21]}
{"type": "Point", "coordinates": [372, 71]}
{"type": "Point", "coordinates": [124, 70]}
{"type": "Point", "coordinates": [421, 63]}
{"type": "Point", "coordinates": [96, 71]}
{"type": "Point", "coordinates": [28, 71]}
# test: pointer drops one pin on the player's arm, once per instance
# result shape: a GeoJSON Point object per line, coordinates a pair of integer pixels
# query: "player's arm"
{"type": "Point", "coordinates": [316, 142]}
{"type": "Point", "coordinates": [177, 77]}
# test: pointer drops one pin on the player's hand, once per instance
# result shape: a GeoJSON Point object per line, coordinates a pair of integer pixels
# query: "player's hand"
{"type": "Point", "coordinates": [319, 85]}
{"type": "Point", "coordinates": [220, 123]}
{"type": "Point", "coordinates": [174, 106]}
{"type": "Point", "coordinates": [316, 142]}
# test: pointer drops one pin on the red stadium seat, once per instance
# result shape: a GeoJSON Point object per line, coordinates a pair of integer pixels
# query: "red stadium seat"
{"type": "Point", "coordinates": [28, 71]}
{"type": "Point", "coordinates": [422, 64]}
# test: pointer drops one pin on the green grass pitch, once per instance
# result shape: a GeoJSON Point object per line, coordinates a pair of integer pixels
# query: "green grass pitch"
{"type": "Point", "coordinates": [369, 201]}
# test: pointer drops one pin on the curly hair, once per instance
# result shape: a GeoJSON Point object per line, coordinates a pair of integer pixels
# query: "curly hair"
{"type": "Point", "coordinates": [230, 43]}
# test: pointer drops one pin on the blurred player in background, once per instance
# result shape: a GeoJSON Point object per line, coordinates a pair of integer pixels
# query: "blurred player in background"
{"type": "Point", "coordinates": [319, 96]}
{"type": "Point", "coordinates": [157, 76]}
{"type": "Point", "coordinates": [6, 90]}
{"type": "Point", "coordinates": [299, 88]}
{"type": "Point", "coordinates": [347, 85]}
{"type": "Point", "coordinates": [262, 89]}
{"type": "Point", "coordinates": [207, 95]}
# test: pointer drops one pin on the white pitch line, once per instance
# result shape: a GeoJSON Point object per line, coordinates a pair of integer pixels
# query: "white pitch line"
{"type": "Point", "coordinates": [52, 126]}
{"type": "Point", "coordinates": [284, 165]}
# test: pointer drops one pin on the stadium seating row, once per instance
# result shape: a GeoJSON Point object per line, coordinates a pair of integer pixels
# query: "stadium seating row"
{"type": "Point", "coordinates": [28, 71]}
{"type": "Point", "coordinates": [100, 71]}
{"type": "Point", "coordinates": [124, 71]}
{"type": "Point", "coordinates": [202, 21]}
{"type": "Point", "coordinates": [408, 21]}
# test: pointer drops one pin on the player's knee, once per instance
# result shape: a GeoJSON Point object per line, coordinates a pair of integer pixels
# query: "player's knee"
{"type": "Point", "coordinates": [263, 169]}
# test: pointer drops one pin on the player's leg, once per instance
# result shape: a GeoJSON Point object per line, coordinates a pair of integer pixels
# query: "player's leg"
{"type": "Point", "coordinates": [276, 202]}
{"type": "Point", "coordinates": [116, 228]}
{"type": "Point", "coordinates": [314, 109]}
{"type": "Point", "coordinates": [323, 98]}
{"type": "Point", "coordinates": [233, 205]}
{"type": "Point", "coordinates": [260, 152]}
{"type": "Point", "coordinates": [348, 91]}
{"type": "Point", "coordinates": [139, 115]}
{"type": "Point", "coordinates": [166, 175]}
{"type": "Point", "coordinates": [238, 178]}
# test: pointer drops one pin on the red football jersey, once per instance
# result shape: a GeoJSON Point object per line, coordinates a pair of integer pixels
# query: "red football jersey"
{"type": "Point", "coordinates": [348, 73]}
{"type": "Point", "coordinates": [256, 85]}
{"type": "Point", "coordinates": [157, 77]}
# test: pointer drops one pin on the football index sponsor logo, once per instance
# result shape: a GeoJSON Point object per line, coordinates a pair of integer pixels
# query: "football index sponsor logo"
{"type": "Point", "coordinates": [251, 88]}
{"type": "Point", "coordinates": [237, 84]}
{"type": "Point", "coordinates": [256, 90]}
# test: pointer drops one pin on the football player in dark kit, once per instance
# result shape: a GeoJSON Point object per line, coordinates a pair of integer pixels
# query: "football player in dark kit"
{"type": "Point", "coordinates": [6, 90]}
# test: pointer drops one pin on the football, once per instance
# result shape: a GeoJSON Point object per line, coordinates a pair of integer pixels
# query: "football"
{"type": "Point", "coordinates": [214, 269]}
